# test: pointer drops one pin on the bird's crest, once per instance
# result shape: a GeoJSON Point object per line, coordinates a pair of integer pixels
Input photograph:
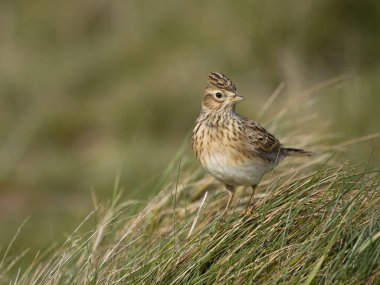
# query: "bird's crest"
{"type": "Point", "coordinates": [219, 80]}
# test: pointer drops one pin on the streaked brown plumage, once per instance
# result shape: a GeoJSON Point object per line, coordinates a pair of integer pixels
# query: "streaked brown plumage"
{"type": "Point", "coordinates": [235, 150]}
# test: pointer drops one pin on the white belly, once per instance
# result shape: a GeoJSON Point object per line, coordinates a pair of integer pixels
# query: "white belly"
{"type": "Point", "coordinates": [248, 174]}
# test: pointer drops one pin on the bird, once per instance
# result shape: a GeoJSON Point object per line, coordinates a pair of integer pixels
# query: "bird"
{"type": "Point", "coordinates": [233, 149]}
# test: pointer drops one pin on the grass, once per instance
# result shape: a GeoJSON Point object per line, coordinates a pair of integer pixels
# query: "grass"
{"type": "Point", "coordinates": [91, 87]}
{"type": "Point", "coordinates": [318, 228]}
{"type": "Point", "coordinates": [315, 221]}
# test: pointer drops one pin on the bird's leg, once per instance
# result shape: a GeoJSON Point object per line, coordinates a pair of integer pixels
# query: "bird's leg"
{"type": "Point", "coordinates": [249, 210]}
{"type": "Point", "coordinates": [231, 192]}
{"type": "Point", "coordinates": [254, 187]}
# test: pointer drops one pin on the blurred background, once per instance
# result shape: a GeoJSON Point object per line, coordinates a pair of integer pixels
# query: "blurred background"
{"type": "Point", "coordinates": [93, 88]}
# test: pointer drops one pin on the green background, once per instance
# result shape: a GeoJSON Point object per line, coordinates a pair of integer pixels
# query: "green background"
{"type": "Point", "coordinates": [93, 88]}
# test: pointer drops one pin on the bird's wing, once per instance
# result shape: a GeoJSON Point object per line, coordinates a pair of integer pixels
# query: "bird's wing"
{"type": "Point", "coordinates": [259, 140]}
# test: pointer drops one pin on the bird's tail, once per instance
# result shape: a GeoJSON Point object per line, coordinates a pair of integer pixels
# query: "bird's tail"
{"type": "Point", "coordinates": [296, 152]}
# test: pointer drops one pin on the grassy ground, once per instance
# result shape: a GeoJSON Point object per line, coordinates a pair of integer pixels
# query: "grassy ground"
{"type": "Point", "coordinates": [90, 90]}
{"type": "Point", "coordinates": [315, 221]}
{"type": "Point", "coordinates": [312, 227]}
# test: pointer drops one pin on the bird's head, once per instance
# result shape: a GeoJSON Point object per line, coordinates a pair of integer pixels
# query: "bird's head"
{"type": "Point", "coordinates": [220, 93]}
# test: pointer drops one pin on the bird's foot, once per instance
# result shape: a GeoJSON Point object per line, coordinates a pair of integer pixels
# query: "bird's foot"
{"type": "Point", "coordinates": [247, 213]}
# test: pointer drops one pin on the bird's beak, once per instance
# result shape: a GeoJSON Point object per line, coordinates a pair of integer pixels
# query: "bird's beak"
{"type": "Point", "coordinates": [237, 98]}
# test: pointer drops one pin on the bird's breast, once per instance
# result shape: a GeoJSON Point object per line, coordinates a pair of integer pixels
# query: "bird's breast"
{"type": "Point", "coordinates": [227, 170]}
{"type": "Point", "coordinates": [223, 153]}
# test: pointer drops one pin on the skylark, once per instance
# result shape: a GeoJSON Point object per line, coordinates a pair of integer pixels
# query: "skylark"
{"type": "Point", "coordinates": [233, 149]}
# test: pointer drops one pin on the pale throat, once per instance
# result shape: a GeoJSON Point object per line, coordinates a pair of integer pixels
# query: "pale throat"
{"type": "Point", "coordinates": [225, 109]}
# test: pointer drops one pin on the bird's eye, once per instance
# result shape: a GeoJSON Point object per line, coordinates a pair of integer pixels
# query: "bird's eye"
{"type": "Point", "coordinates": [218, 95]}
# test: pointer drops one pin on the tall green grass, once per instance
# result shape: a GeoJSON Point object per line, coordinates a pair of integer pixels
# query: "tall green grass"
{"type": "Point", "coordinates": [322, 227]}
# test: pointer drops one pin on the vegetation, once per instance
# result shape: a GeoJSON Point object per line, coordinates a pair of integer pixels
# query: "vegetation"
{"type": "Point", "coordinates": [314, 222]}
{"type": "Point", "coordinates": [320, 228]}
{"type": "Point", "coordinates": [89, 89]}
